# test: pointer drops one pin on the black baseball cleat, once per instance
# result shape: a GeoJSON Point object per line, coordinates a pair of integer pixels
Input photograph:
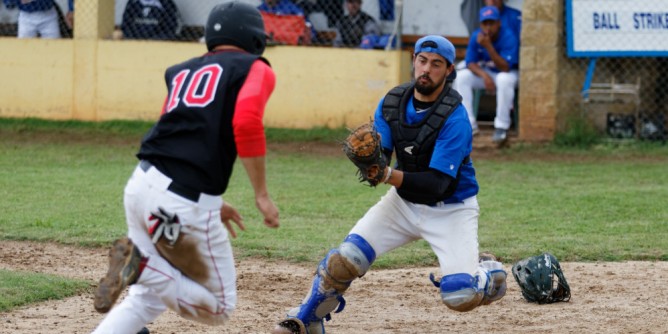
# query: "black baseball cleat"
{"type": "Point", "coordinates": [290, 326]}
{"type": "Point", "coordinates": [144, 331]}
{"type": "Point", "coordinates": [124, 263]}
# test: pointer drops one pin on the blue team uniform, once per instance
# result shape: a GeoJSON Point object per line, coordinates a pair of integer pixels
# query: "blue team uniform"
{"type": "Point", "coordinates": [507, 46]}
{"type": "Point", "coordinates": [30, 7]}
{"type": "Point", "coordinates": [438, 138]}
{"type": "Point", "coordinates": [283, 7]}
{"type": "Point", "coordinates": [454, 143]}
{"type": "Point", "coordinates": [511, 18]}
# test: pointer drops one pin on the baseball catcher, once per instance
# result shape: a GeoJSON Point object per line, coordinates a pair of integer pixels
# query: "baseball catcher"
{"type": "Point", "coordinates": [541, 279]}
{"type": "Point", "coordinates": [432, 195]}
{"type": "Point", "coordinates": [363, 148]}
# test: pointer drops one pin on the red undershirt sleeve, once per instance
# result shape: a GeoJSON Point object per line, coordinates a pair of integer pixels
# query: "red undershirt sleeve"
{"type": "Point", "coordinates": [247, 121]}
{"type": "Point", "coordinates": [164, 106]}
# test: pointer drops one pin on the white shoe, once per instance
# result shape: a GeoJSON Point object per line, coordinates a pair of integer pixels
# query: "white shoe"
{"type": "Point", "coordinates": [500, 136]}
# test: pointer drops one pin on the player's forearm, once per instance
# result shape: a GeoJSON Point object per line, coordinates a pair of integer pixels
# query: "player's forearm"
{"type": "Point", "coordinates": [256, 170]}
{"type": "Point", "coordinates": [432, 183]}
{"type": "Point", "coordinates": [477, 70]}
{"type": "Point", "coordinates": [500, 63]}
{"type": "Point", "coordinates": [394, 177]}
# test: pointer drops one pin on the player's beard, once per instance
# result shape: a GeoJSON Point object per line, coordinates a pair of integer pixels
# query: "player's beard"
{"type": "Point", "coordinates": [429, 88]}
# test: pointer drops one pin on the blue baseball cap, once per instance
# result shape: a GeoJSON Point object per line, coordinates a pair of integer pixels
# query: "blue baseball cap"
{"type": "Point", "coordinates": [438, 45]}
{"type": "Point", "coordinates": [489, 13]}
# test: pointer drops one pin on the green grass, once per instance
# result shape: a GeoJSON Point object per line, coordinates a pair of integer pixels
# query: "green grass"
{"type": "Point", "coordinates": [93, 131]}
{"type": "Point", "coordinates": [20, 288]}
{"type": "Point", "coordinates": [63, 182]}
{"type": "Point", "coordinates": [583, 211]}
{"type": "Point", "coordinates": [606, 202]}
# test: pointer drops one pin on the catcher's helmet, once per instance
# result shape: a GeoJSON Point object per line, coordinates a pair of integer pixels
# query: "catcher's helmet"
{"type": "Point", "coordinates": [536, 278]}
{"type": "Point", "coordinates": [238, 24]}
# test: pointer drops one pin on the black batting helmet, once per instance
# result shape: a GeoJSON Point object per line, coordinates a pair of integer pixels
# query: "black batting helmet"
{"type": "Point", "coordinates": [238, 24]}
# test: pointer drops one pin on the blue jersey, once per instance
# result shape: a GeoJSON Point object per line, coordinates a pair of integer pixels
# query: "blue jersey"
{"type": "Point", "coordinates": [511, 18]}
{"type": "Point", "coordinates": [454, 143]}
{"type": "Point", "coordinates": [32, 6]}
{"type": "Point", "coordinates": [283, 7]}
{"type": "Point", "coordinates": [506, 45]}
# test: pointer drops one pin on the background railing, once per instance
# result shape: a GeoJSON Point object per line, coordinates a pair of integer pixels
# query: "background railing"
{"type": "Point", "coordinates": [625, 94]}
{"type": "Point", "coordinates": [184, 20]}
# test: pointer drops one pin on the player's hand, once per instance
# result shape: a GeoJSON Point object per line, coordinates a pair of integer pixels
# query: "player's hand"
{"type": "Point", "coordinates": [490, 86]}
{"type": "Point", "coordinates": [268, 210]}
{"type": "Point", "coordinates": [484, 40]}
{"type": "Point", "coordinates": [227, 213]}
{"type": "Point", "coordinates": [69, 20]}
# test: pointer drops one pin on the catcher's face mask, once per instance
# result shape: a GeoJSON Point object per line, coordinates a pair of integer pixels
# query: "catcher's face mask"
{"type": "Point", "coordinates": [541, 279]}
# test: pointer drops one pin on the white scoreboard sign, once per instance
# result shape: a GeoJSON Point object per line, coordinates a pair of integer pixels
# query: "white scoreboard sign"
{"type": "Point", "coordinates": [617, 28]}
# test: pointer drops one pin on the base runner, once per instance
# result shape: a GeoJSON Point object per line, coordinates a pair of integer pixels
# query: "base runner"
{"type": "Point", "coordinates": [177, 254]}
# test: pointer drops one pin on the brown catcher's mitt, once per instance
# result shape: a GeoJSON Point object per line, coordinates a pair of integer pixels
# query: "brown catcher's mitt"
{"type": "Point", "coordinates": [362, 147]}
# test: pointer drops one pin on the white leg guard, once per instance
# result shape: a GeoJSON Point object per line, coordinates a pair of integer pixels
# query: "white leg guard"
{"type": "Point", "coordinates": [496, 281]}
{"type": "Point", "coordinates": [463, 292]}
{"type": "Point", "coordinates": [334, 275]}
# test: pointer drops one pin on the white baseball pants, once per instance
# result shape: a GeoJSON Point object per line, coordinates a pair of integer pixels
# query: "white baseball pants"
{"type": "Point", "coordinates": [505, 82]}
{"type": "Point", "coordinates": [450, 229]}
{"type": "Point", "coordinates": [44, 23]}
{"type": "Point", "coordinates": [160, 285]}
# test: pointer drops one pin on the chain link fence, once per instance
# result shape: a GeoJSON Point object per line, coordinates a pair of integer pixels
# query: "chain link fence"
{"type": "Point", "coordinates": [625, 93]}
{"type": "Point", "coordinates": [627, 96]}
{"type": "Point", "coordinates": [344, 23]}
{"type": "Point", "coordinates": [622, 48]}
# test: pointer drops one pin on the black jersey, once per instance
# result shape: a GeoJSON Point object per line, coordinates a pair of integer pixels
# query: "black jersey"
{"type": "Point", "coordinates": [352, 29]}
{"type": "Point", "coordinates": [193, 142]}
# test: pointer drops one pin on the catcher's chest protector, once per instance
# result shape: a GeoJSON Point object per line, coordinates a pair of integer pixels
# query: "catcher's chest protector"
{"type": "Point", "coordinates": [414, 143]}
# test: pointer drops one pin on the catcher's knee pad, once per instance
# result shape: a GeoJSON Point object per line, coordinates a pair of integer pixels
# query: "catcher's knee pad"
{"type": "Point", "coordinates": [351, 260]}
{"type": "Point", "coordinates": [463, 292]}
{"type": "Point", "coordinates": [460, 292]}
{"type": "Point", "coordinates": [335, 272]}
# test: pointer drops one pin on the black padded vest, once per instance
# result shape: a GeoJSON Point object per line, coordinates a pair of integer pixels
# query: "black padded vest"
{"type": "Point", "coordinates": [414, 143]}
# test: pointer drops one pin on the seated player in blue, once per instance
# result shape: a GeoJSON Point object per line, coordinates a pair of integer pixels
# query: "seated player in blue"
{"type": "Point", "coordinates": [492, 59]}
{"type": "Point", "coordinates": [510, 17]}
{"type": "Point", "coordinates": [432, 197]}
{"type": "Point", "coordinates": [280, 7]}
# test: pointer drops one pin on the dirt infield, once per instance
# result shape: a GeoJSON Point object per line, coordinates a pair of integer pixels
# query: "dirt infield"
{"type": "Point", "coordinates": [628, 297]}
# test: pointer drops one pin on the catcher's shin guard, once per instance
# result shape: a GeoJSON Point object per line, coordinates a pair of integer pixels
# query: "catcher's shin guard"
{"type": "Point", "coordinates": [334, 275]}
{"type": "Point", "coordinates": [496, 281]}
{"type": "Point", "coordinates": [463, 292]}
